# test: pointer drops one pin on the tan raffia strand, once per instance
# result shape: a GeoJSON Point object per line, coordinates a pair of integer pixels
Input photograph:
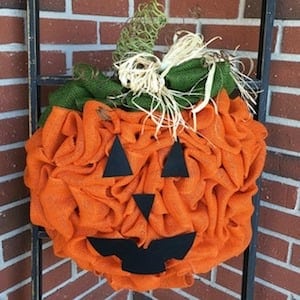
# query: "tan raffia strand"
{"type": "Point", "coordinates": [145, 73]}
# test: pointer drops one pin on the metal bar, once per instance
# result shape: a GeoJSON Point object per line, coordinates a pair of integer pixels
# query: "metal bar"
{"type": "Point", "coordinates": [42, 234]}
{"type": "Point", "coordinates": [264, 56]}
{"type": "Point", "coordinates": [33, 62]}
{"type": "Point", "coordinates": [34, 112]}
{"type": "Point", "coordinates": [263, 73]}
{"type": "Point", "coordinates": [36, 264]}
{"type": "Point", "coordinates": [53, 80]}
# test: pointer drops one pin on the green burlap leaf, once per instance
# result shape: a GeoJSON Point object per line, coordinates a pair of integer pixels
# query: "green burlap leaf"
{"type": "Point", "coordinates": [223, 79]}
{"type": "Point", "coordinates": [144, 101]}
{"type": "Point", "coordinates": [96, 83]}
{"type": "Point", "coordinates": [191, 75]}
{"type": "Point", "coordinates": [66, 96]}
{"type": "Point", "coordinates": [88, 84]}
{"type": "Point", "coordinates": [185, 76]}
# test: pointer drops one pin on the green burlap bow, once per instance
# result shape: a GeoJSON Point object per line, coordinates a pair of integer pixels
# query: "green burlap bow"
{"type": "Point", "coordinates": [89, 83]}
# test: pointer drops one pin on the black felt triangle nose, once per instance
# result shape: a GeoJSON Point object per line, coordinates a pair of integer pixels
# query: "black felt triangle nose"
{"type": "Point", "coordinates": [144, 203]}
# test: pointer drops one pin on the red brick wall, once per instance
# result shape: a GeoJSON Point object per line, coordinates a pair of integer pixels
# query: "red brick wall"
{"type": "Point", "coordinates": [86, 30]}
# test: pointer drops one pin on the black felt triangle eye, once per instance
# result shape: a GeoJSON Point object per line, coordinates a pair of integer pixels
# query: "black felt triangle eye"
{"type": "Point", "coordinates": [144, 203]}
{"type": "Point", "coordinates": [117, 163]}
{"type": "Point", "coordinates": [175, 165]}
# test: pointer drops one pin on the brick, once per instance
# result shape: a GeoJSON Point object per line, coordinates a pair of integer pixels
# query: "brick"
{"type": "Point", "coordinates": [203, 291]}
{"type": "Point", "coordinates": [252, 9]}
{"type": "Point", "coordinates": [110, 32]}
{"type": "Point", "coordinates": [285, 106]}
{"type": "Point", "coordinates": [236, 262]}
{"type": "Point", "coordinates": [295, 259]}
{"type": "Point", "coordinates": [12, 161]}
{"type": "Point", "coordinates": [52, 5]}
{"type": "Point", "coordinates": [285, 73]}
{"type": "Point", "coordinates": [45, 92]}
{"type": "Point", "coordinates": [17, 4]}
{"type": "Point", "coordinates": [13, 130]}
{"type": "Point", "coordinates": [266, 293]}
{"type": "Point", "coordinates": [246, 37]}
{"type": "Point", "coordinates": [23, 292]}
{"type": "Point", "coordinates": [272, 246]}
{"type": "Point", "coordinates": [206, 276]}
{"type": "Point", "coordinates": [285, 9]}
{"type": "Point", "coordinates": [166, 294]}
{"type": "Point", "coordinates": [49, 258]}
{"type": "Point", "coordinates": [279, 193]}
{"type": "Point", "coordinates": [14, 218]}
{"type": "Point", "coordinates": [103, 8]}
{"type": "Point", "coordinates": [282, 277]}
{"type": "Point", "coordinates": [100, 59]}
{"type": "Point", "coordinates": [53, 63]}
{"type": "Point", "coordinates": [16, 245]}
{"type": "Point", "coordinates": [123, 294]}
{"type": "Point", "coordinates": [56, 276]}
{"type": "Point", "coordinates": [100, 293]}
{"type": "Point", "coordinates": [232, 36]}
{"type": "Point", "coordinates": [55, 31]}
{"type": "Point", "coordinates": [291, 40]}
{"type": "Point", "coordinates": [280, 222]}
{"type": "Point", "coordinates": [75, 288]}
{"type": "Point", "coordinates": [140, 296]}
{"type": "Point", "coordinates": [9, 193]}
{"type": "Point", "coordinates": [13, 97]}
{"type": "Point", "coordinates": [285, 137]}
{"type": "Point", "coordinates": [229, 279]}
{"type": "Point", "coordinates": [14, 274]}
{"type": "Point", "coordinates": [11, 30]}
{"type": "Point", "coordinates": [283, 165]}
{"type": "Point", "coordinates": [204, 9]}
{"type": "Point", "coordinates": [13, 64]}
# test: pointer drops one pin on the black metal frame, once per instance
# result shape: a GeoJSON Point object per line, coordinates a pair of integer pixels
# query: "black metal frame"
{"type": "Point", "coordinates": [263, 73]}
{"type": "Point", "coordinates": [35, 81]}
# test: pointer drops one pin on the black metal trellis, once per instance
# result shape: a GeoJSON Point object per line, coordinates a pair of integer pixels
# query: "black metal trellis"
{"type": "Point", "coordinates": [36, 81]}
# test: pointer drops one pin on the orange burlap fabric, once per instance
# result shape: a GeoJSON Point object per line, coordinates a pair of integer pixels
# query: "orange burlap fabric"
{"type": "Point", "coordinates": [71, 199]}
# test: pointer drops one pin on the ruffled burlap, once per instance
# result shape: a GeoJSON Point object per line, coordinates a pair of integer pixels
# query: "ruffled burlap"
{"type": "Point", "coordinates": [71, 199]}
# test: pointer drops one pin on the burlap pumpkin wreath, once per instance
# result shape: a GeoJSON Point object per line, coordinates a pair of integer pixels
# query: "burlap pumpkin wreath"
{"type": "Point", "coordinates": [136, 188]}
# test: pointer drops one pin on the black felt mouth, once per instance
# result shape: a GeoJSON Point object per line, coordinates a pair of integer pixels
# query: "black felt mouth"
{"type": "Point", "coordinates": [145, 261]}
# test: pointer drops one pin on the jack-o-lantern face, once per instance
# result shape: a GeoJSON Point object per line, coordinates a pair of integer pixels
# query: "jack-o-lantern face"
{"type": "Point", "coordinates": [152, 259]}
{"type": "Point", "coordinates": [146, 212]}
